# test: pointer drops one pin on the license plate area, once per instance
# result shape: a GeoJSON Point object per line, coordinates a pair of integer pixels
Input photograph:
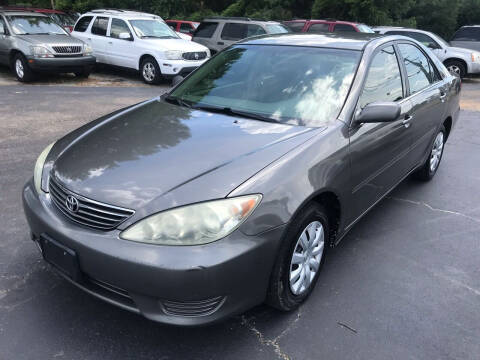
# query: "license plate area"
{"type": "Point", "coordinates": [61, 257]}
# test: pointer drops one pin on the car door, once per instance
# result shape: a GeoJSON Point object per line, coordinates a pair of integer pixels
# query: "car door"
{"type": "Point", "coordinates": [98, 38]}
{"type": "Point", "coordinates": [344, 28]}
{"type": "Point", "coordinates": [121, 51]}
{"type": "Point", "coordinates": [318, 28]}
{"type": "Point", "coordinates": [379, 151]}
{"type": "Point", "coordinates": [81, 27]}
{"type": "Point", "coordinates": [427, 93]}
{"type": "Point", "coordinates": [232, 32]}
{"type": "Point", "coordinates": [5, 42]}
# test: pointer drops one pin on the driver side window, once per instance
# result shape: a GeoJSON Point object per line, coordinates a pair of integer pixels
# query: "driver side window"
{"type": "Point", "coordinates": [3, 28]}
{"type": "Point", "coordinates": [384, 82]}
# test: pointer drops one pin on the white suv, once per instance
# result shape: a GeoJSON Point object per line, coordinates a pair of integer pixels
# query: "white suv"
{"type": "Point", "coordinates": [463, 62]}
{"type": "Point", "coordinates": [139, 41]}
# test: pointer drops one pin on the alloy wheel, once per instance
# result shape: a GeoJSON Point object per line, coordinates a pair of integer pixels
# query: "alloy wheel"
{"type": "Point", "coordinates": [436, 154]}
{"type": "Point", "coordinates": [148, 71]}
{"type": "Point", "coordinates": [306, 258]}
{"type": "Point", "coordinates": [19, 68]}
{"type": "Point", "coordinates": [455, 69]}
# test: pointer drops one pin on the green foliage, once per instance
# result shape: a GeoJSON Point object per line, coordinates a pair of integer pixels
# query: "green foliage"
{"type": "Point", "coordinates": [440, 16]}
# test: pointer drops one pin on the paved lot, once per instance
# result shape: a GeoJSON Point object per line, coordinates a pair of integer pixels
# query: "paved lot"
{"type": "Point", "coordinates": [404, 284]}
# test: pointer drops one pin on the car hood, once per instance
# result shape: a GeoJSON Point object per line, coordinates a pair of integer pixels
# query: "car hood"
{"type": "Point", "coordinates": [157, 149]}
{"type": "Point", "coordinates": [173, 44]}
{"type": "Point", "coordinates": [50, 39]}
{"type": "Point", "coordinates": [461, 51]}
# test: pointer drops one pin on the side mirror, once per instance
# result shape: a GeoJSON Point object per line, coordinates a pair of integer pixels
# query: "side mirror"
{"type": "Point", "coordinates": [177, 80]}
{"type": "Point", "coordinates": [378, 112]}
{"type": "Point", "coordinates": [433, 46]}
{"type": "Point", "coordinates": [125, 36]}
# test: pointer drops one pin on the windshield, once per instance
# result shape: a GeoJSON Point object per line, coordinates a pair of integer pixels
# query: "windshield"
{"type": "Point", "coordinates": [286, 84]}
{"type": "Point", "coordinates": [441, 40]}
{"type": "Point", "coordinates": [153, 29]}
{"type": "Point", "coordinates": [63, 19]}
{"type": "Point", "coordinates": [277, 29]}
{"type": "Point", "coordinates": [34, 25]}
{"type": "Point", "coordinates": [365, 28]}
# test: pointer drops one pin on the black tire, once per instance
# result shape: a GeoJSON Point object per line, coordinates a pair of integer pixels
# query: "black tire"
{"type": "Point", "coordinates": [84, 73]}
{"type": "Point", "coordinates": [456, 67]}
{"type": "Point", "coordinates": [156, 74]}
{"type": "Point", "coordinates": [425, 172]}
{"type": "Point", "coordinates": [280, 294]}
{"type": "Point", "coordinates": [22, 72]}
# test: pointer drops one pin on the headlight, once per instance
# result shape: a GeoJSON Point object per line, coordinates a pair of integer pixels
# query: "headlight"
{"type": "Point", "coordinates": [193, 224]}
{"type": "Point", "coordinates": [41, 51]}
{"type": "Point", "coordinates": [476, 56]}
{"type": "Point", "coordinates": [173, 55]}
{"type": "Point", "coordinates": [37, 172]}
{"type": "Point", "coordinates": [87, 49]}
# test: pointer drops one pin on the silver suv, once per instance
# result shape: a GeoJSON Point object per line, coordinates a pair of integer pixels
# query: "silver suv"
{"type": "Point", "coordinates": [218, 32]}
{"type": "Point", "coordinates": [467, 37]}
{"type": "Point", "coordinates": [32, 42]}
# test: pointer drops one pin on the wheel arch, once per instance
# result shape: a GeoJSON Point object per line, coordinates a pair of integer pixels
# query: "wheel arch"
{"type": "Point", "coordinates": [143, 57]}
{"type": "Point", "coordinates": [447, 124]}
{"type": "Point", "coordinates": [464, 63]}
{"type": "Point", "coordinates": [12, 55]}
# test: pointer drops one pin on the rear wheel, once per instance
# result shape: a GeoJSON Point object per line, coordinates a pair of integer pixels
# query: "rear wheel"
{"type": "Point", "coordinates": [456, 67]}
{"type": "Point", "coordinates": [150, 71]}
{"type": "Point", "coordinates": [84, 73]}
{"type": "Point", "coordinates": [300, 260]}
{"type": "Point", "coordinates": [430, 167]}
{"type": "Point", "coordinates": [21, 69]}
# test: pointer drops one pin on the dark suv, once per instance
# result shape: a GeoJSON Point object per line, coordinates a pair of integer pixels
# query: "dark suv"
{"type": "Point", "coordinates": [217, 33]}
{"type": "Point", "coordinates": [328, 25]}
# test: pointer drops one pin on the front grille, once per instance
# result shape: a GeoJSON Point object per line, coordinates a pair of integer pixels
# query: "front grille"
{"type": "Point", "coordinates": [88, 212]}
{"type": "Point", "coordinates": [67, 49]}
{"type": "Point", "coordinates": [199, 55]}
{"type": "Point", "coordinates": [192, 308]}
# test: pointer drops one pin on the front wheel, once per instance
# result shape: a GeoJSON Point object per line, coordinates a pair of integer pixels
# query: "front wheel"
{"type": "Point", "coordinates": [21, 69]}
{"type": "Point", "coordinates": [300, 260]}
{"type": "Point", "coordinates": [430, 167]}
{"type": "Point", "coordinates": [84, 73]}
{"type": "Point", "coordinates": [150, 71]}
{"type": "Point", "coordinates": [456, 67]}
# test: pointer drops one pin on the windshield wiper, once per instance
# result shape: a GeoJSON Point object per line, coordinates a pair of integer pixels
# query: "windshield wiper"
{"type": "Point", "coordinates": [232, 112]}
{"type": "Point", "coordinates": [177, 101]}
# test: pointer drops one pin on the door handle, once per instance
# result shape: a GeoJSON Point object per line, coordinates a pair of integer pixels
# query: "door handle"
{"type": "Point", "coordinates": [443, 95]}
{"type": "Point", "coordinates": [406, 121]}
{"type": "Point", "coordinates": [111, 43]}
{"type": "Point", "coordinates": [220, 43]}
{"type": "Point", "coordinates": [89, 39]}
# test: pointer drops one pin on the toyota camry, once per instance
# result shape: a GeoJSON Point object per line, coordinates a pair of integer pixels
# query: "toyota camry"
{"type": "Point", "coordinates": [228, 191]}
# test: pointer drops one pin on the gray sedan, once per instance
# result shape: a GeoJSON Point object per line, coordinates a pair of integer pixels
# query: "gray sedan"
{"type": "Point", "coordinates": [229, 190]}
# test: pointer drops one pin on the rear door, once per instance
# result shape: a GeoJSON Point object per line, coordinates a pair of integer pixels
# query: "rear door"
{"type": "Point", "coordinates": [232, 32]}
{"type": "Point", "coordinates": [98, 38]}
{"type": "Point", "coordinates": [121, 52]}
{"type": "Point", "coordinates": [379, 151]}
{"type": "Point", "coordinates": [295, 26]}
{"type": "Point", "coordinates": [320, 27]}
{"type": "Point", "coordinates": [427, 93]}
{"type": "Point", "coordinates": [205, 35]}
{"type": "Point", "coordinates": [344, 28]}
{"type": "Point", "coordinates": [467, 37]}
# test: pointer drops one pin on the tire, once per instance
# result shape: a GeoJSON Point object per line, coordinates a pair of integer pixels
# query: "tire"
{"type": "Point", "coordinates": [84, 73]}
{"type": "Point", "coordinates": [456, 67]}
{"type": "Point", "coordinates": [21, 69]}
{"type": "Point", "coordinates": [150, 71]}
{"type": "Point", "coordinates": [428, 170]}
{"type": "Point", "coordinates": [282, 294]}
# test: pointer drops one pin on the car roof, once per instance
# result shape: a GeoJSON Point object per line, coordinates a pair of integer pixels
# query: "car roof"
{"type": "Point", "coordinates": [125, 14]}
{"type": "Point", "coordinates": [326, 20]}
{"type": "Point", "coordinates": [19, 12]}
{"type": "Point", "coordinates": [239, 20]}
{"type": "Point", "coordinates": [31, 9]}
{"type": "Point", "coordinates": [353, 41]}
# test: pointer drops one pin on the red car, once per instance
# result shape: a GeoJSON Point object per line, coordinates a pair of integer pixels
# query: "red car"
{"type": "Point", "coordinates": [60, 17]}
{"type": "Point", "coordinates": [316, 26]}
{"type": "Point", "coordinates": [183, 26]}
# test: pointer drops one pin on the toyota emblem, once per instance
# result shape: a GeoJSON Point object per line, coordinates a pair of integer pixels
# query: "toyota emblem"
{"type": "Point", "coordinates": [72, 203]}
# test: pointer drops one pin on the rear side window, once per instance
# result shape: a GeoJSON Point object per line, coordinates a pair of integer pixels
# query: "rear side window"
{"type": "Point", "coordinates": [419, 70]}
{"type": "Point", "coordinates": [254, 30]}
{"type": "Point", "coordinates": [82, 24]}
{"type": "Point", "coordinates": [343, 27]}
{"type": "Point", "coordinates": [185, 27]}
{"type": "Point", "coordinates": [295, 26]}
{"type": "Point", "coordinates": [234, 31]}
{"type": "Point", "coordinates": [206, 29]}
{"type": "Point", "coordinates": [100, 26]}
{"type": "Point", "coordinates": [384, 82]}
{"type": "Point", "coordinates": [318, 28]}
{"type": "Point", "coordinates": [172, 24]}
{"type": "Point", "coordinates": [467, 34]}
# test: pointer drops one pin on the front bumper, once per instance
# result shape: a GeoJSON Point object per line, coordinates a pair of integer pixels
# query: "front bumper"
{"type": "Point", "coordinates": [61, 64]}
{"type": "Point", "coordinates": [181, 285]}
{"type": "Point", "coordinates": [171, 68]}
{"type": "Point", "coordinates": [474, 68]}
